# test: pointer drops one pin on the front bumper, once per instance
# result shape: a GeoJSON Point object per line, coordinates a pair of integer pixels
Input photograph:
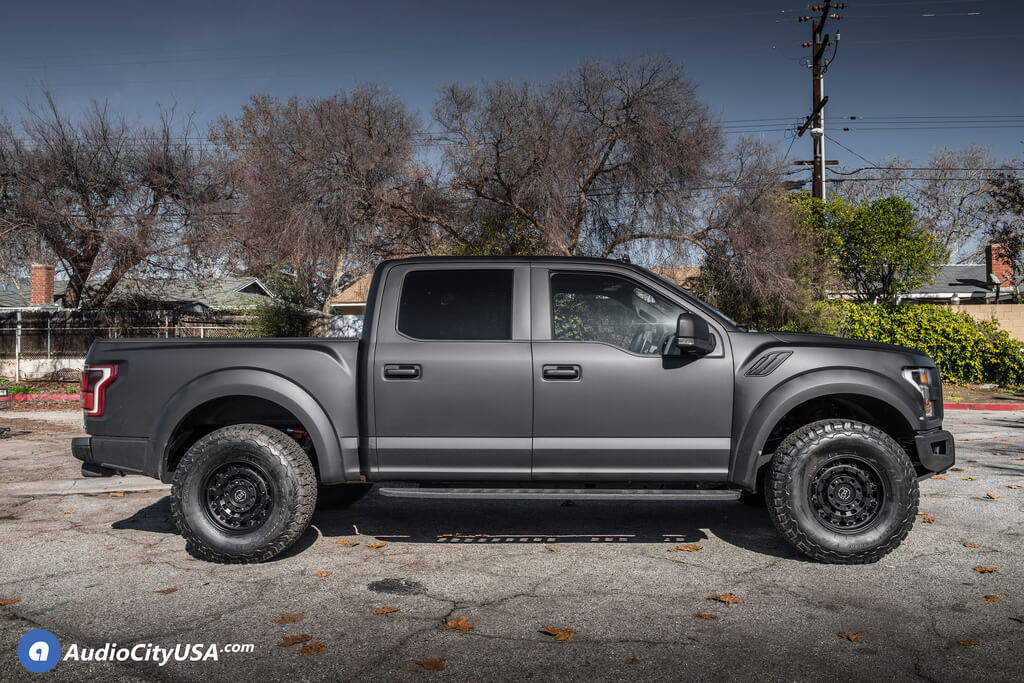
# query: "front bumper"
{"type": "Point", "coordinates": [936, 450]}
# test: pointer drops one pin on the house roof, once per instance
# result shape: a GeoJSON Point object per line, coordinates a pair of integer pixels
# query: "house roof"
{"type": "Point", "coordinates": [229, 291]}
{"type": "Point", "coordinates": [356, 293]}
{"type": "Point", "coordinates": [966, 281]}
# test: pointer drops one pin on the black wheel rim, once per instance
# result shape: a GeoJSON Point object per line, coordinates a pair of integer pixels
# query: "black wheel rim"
{"type": "Point", "coordinates": [239, 497]}
{"type": "Point", "coordinates": [847, 494]}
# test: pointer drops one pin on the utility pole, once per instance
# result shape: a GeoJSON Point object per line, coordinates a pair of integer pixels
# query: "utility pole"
{"type": "Point", "coordinates": [816, 121]}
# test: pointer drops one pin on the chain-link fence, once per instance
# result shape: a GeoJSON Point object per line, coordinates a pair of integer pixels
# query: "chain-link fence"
{"type": "Point", "coordinates": [68, 334]}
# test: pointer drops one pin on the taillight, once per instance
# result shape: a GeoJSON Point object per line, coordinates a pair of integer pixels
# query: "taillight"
{"type": "Point", "coordinates": [95, 380]}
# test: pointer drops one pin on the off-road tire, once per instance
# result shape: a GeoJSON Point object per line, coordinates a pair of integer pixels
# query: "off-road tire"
{"type": "Point", "coordinates": [803, 518]}
{"type": "Point", "coordinates": [340, 496]}
{"type": "Point", "coordinates": [280, 469]}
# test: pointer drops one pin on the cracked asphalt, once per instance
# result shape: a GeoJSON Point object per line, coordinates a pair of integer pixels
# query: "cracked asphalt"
{"type": "Point", "coordinates": [89, 568]}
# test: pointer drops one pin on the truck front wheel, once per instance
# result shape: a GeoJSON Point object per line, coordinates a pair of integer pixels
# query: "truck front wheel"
{"type": "Point", "coordinates": [842, 492]}
{"type": "Point", "coordinates": [243, 493]}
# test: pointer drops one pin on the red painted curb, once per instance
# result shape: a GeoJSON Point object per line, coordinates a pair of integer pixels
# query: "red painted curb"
{"type": "Point", "coordinates": [47, 397]}
{"type": "Point", "coordinates": [983, 406]}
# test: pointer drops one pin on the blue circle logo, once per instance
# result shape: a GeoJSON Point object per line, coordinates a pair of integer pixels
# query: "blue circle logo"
{"type": "Point", "coordinates": [39, 651]}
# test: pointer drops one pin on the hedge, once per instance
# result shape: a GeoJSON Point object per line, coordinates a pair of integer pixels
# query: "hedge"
{"type": "Point", "coordinates": [967, 351]}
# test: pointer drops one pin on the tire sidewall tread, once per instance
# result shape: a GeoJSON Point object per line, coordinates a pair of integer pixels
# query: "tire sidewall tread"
{"type": "Point", "coordinates": [291, 476]}
{"type": "Point", "coordinates": [792, 467]}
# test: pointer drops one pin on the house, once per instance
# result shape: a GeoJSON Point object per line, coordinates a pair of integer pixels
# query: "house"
{"type": "Point", "coordinates": [980, 283]}
{"type": "Point", "coordinates": [352, 300]}
{"type": "Point", "coordinates": [186, 296]}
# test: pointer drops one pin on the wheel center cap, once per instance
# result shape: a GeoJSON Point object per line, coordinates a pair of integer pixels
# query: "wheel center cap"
{"type": "Point", "coordinates": [845, 493]}
{"type": "Point", "coordinates": [240, 495]}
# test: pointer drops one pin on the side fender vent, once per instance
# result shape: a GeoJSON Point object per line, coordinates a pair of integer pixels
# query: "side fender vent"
{"type": "Point", "coordinates": [766, 364]}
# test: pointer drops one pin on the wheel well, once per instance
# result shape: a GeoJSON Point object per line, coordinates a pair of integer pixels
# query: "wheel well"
{"type": "Point", "coordinates": [231, 410]}
{"type": "Point", "coordinates": [872, 411]}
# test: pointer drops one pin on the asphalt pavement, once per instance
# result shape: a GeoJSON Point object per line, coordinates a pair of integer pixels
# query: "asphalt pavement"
{"type": "Point", "coordinates": [96, 569]}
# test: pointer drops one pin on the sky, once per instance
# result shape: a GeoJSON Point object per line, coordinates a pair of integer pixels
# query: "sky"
{"type": "Point", "coordinates": [919, 75]}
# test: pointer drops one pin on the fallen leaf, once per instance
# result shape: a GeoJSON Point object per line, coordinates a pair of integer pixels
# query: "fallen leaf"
{"type": "Point", "coordinates": [374, 546]}
{"type": "Point", "coordinates": [1014, 486]}
{"type": "Point", "coordinates": [972, 461]}
{"type": "Point", "coordinates": [928, 519]}
{"type": "Point", "coordinates": [968, 544]}
{"type": "Point", "coordinates": [386, 609]}
{"type": "Point", "coordinates": [323, 574]}
{"type": "Point", "coordinates": [560, 634]}
{"type": "Point", "coordinates": [920, 512]}
{"type": "Point", "coordinates": [727, 598]}
{"type": "Point", "coordinates": [970, 643]}
{"type": "Point", "coordinates": [68, 512]}
{"type": "Point", "coordinates": [985, 570]}
{"type": "Point", "coordinates": [956, 469]}
{"type": "Point", "coordinates": [167, 591]}
{"type": "Point", "coordinates": [9, 601]}
{"type": "Point", "coordinates": [290, 618]}
{"type": "Point", "coordinates": [1018, 458]}
{"type": "Point", "coordinates": [432, 664]}
{"type": "Point", "coordinates": [701, 615]}
{"type": "Point", "coordinates": [969, 479]}
{"type": "Point", "coordinates": [992, 495]}
{"type": "Point", "coordinates": [1020, 619]}
{"type": "Point", "coordinates": [992, 598]}
{"type": "Point", "coordinates": [852, 637]}
{"type": "Point", "coordinates": [689, 548]}
{"type": "Point", "coordinates": [460, 624]}
{"type": "Point", "coordinates": [313, 648]}
{"type": "Point", "coordinates": [288, 641]}
{"type": "Point", "coordinates": [555, 550]}
{"type": "Point", "coordinates": [117, 494]}
{"type": "Point", "coordinates": [937, 476]}
{"type": "Point", "coordinates": [348, 543]}
{"type": "Point", "coordinates": [632, 660]}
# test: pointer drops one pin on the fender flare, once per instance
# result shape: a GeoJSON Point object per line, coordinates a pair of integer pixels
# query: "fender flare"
{"type": "Point", "coordinates": [747, 458]}
{"type": "Point", "coordinates": [336, 464]}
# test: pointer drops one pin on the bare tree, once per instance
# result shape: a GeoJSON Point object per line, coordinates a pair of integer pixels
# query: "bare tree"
{"type": "Point", "coordinates": [320, 186]}
{"type": "Point", "coordinates": [951, 193]}
{"type": "Point", "coordinates": [595, 162]}
{"type": "Point", "coordinates": [101, 197]}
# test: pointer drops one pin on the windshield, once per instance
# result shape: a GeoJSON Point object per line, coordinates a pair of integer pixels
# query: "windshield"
{"type": "Point", "coordinates": [704, 304]}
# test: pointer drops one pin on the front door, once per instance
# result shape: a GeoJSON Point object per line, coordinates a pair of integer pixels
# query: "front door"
{"type": "Point", "coordinates": [608, 405]}
{"type": "Point", "coordinates": [452, 395]}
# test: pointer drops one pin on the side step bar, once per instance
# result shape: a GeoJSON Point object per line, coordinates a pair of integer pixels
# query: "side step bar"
{"type": "Point", "coordinates": [561, 494]}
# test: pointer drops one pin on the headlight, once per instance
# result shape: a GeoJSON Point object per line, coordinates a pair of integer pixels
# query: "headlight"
{"type": "Point", "coordinates": [922, 379]}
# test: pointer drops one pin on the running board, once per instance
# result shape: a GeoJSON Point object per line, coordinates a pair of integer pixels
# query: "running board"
{"type": "Point", "coordinates": [561, 494]}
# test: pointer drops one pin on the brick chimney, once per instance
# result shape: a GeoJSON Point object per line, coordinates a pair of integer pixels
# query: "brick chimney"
{"type": "Point", "coordinates": [41, 285]}
{"type": "Point", "coordinates": [997, 263]}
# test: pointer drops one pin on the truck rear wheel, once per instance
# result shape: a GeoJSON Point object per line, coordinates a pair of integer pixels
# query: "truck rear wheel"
{"type": "Point", "coordinates": [243, 493]}
{"type": "Point", "coordinates": [842, 492]}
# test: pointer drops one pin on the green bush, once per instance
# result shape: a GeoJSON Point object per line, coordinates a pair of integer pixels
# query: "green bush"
{"type": "Point", "coordinates": [276, 318]}
{"type": "Point", "coordinates": [966, 350]}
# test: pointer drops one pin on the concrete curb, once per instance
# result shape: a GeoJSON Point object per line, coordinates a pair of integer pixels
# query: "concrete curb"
{"type": "Point", "coordinates": [70, 487]}
{"type": "Point", "coordinates": [983, 406]}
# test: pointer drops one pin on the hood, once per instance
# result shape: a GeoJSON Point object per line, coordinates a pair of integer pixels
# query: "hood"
{"type": "Point", "coordinates": [830, 341]}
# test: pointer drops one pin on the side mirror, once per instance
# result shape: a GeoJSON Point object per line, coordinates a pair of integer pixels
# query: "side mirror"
{"type": "Point", "coordinates": [693, 335]}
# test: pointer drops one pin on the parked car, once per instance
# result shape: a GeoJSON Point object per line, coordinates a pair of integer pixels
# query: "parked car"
{"type": "Point", "coordinates": [522, 378]}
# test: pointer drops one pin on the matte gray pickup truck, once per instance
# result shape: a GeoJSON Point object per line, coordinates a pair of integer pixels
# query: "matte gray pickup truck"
{"type": "Point", "coordinates": [528, 378]}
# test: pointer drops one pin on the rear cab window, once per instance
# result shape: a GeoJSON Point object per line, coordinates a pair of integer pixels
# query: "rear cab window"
{"type": "Point", "coordinates": [457, 305]}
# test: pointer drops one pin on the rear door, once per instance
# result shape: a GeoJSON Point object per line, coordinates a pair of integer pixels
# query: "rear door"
{"type": "Point", "coordinates": [452, 392]}
{"type": "Point", "coordinates": [608, 404]}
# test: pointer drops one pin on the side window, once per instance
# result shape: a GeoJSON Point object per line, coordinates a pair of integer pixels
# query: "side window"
{"type": "Point", "coordinates": [611, 309]}
{"type": "Point", "coordinates": [456, 304]}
